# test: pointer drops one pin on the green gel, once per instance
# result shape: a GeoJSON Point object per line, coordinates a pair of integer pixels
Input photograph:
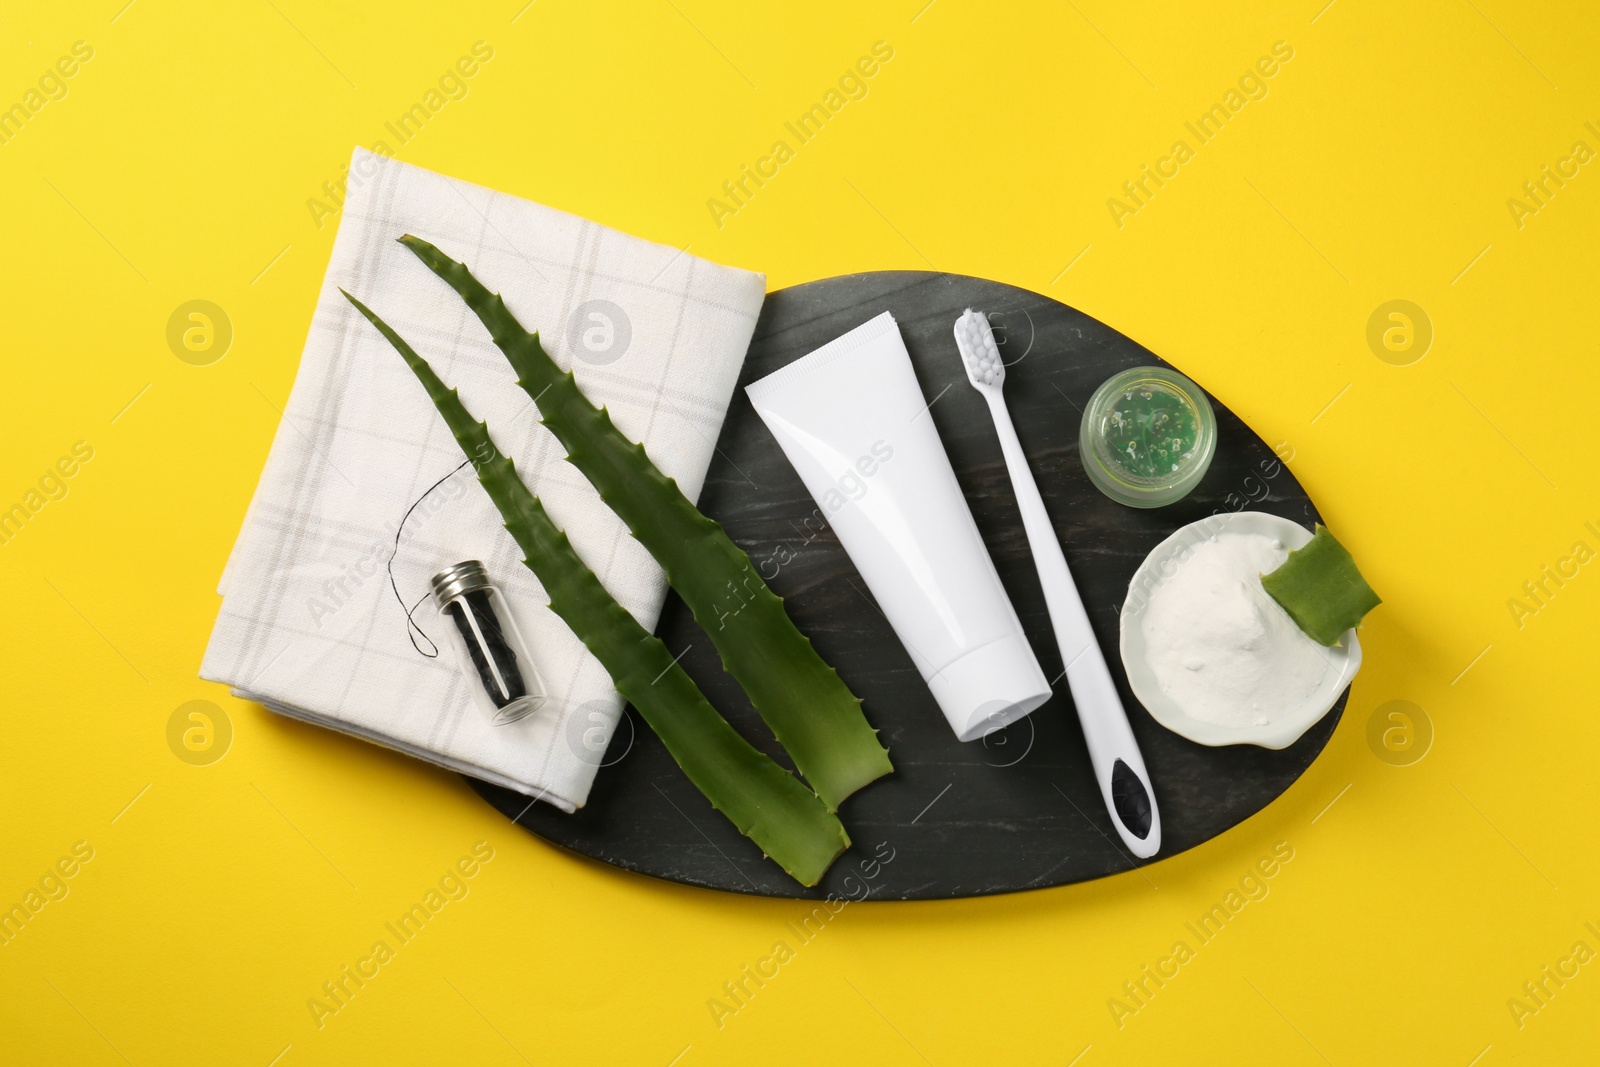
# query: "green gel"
{"type": "Point", "coordinates": [1150, 432]}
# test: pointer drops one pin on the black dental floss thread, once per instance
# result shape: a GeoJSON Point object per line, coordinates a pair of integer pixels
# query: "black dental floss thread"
{"type": "Point", "coordinates": [488, 647]}
{"type": "Point", "coordinates": [412, 629]}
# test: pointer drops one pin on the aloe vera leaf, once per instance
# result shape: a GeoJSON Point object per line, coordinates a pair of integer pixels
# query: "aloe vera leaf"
{"type": "Point", "coordinates": [805, 703]}
{"type": "Point", "coordinates": [1321, 588]}
{"type": "Point", "coordinates": [768, 804]}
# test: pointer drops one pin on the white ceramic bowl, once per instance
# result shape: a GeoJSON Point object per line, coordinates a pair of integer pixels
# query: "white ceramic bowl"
{"type": "Point", "coordinates": [1285, 730]}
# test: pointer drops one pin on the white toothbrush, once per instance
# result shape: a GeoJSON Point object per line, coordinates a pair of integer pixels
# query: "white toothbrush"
{"type": "Point", "coordinates": [1118, 766]}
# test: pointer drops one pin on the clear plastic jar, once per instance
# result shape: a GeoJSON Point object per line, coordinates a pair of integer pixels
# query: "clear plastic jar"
{"type": "Point", "coordinates": [1147, 437]}
{"type": "Point", "coordinates": [488, 646]}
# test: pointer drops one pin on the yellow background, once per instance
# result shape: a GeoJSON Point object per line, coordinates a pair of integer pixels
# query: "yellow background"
{"type": "Point", "coordinates": [1378, 167]}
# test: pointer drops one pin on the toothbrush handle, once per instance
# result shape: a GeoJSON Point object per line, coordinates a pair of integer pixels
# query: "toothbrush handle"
{"type": "Point", "coordinates": [1118, 766]}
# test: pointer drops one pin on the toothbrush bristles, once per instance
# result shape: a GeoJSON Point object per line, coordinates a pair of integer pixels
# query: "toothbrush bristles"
{"type": "Point", "coordinates": [979, 352]}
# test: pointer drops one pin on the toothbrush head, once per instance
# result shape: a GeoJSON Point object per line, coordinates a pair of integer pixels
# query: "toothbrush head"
{"type": "Point", "coordinates": [979, 353]}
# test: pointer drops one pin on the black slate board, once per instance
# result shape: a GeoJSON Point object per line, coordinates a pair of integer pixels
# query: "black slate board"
{"type": "Point", "coordinates": [1019, 810]}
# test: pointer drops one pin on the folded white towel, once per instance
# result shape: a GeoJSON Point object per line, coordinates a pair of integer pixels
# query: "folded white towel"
{"type": "Point", "coordinates": [309, 625]}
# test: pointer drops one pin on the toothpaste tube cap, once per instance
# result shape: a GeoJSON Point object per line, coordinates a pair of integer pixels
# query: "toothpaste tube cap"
{"type": "Point", "coordinates": [990, 687]}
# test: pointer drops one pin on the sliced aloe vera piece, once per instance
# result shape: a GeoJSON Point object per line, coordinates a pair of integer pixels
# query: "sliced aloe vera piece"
{"type": "Point", "coordinates": [1321, 588]}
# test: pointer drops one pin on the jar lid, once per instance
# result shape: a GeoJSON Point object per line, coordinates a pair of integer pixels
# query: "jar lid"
{"type": "Point", "coordinates": [458, 579]}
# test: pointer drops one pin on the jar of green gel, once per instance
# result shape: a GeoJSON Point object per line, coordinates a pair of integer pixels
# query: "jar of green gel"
{"type": "Point", "coordinates": [1147, 437]}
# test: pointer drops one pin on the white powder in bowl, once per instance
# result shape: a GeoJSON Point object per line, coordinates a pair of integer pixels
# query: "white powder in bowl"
{"type": "Point", "coordinates": [1220, 647]}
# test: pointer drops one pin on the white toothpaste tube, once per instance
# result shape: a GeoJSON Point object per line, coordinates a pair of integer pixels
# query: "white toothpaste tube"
{"type": "Point", "coordinates": [853, 421]}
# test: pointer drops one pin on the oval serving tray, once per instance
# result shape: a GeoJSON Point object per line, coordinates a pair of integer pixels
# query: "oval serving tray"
{"type": "Point", "coordinates": [1019, 810]}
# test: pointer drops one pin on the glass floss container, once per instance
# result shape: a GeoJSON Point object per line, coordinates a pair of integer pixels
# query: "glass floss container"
{"type": "Point", "coordinates": [1147, 437]}
{"type": "Point", "coordinates": [489, 648]}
